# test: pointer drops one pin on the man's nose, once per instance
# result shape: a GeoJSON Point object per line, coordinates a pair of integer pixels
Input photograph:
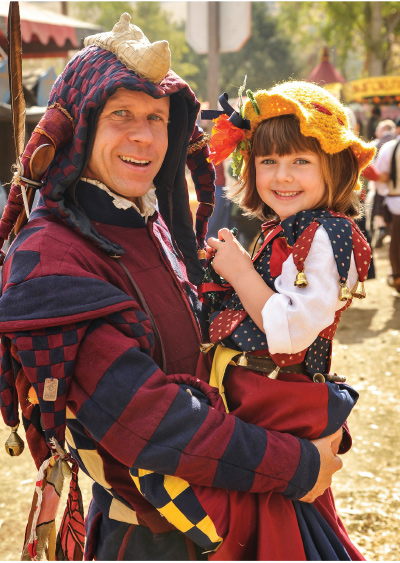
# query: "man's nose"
{"type": "Point", "coordinates": [140, 132]}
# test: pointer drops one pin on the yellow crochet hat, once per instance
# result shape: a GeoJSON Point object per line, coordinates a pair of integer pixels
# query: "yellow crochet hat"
{"type": "Point", "coordinates": [320, 115]}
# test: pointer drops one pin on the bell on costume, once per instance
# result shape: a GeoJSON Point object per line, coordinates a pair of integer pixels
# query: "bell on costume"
{"type": "Point", "coordinates": [301, 280]}
{"type": "Point", "coordinates": [14, 444]}
{"type": "Point", "coordinates": [359, 290]}
{"type": "Point", "coordinates": [274, 374]}
{"type": "Point", "coordinates": [242, 360]}
{"type": "Point", "coordinates": [344, 293]}
{"type": "Point", "coordinates": [205, 347]}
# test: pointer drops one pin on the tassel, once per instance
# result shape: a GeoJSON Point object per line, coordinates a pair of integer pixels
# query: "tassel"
{"type": "Point", "coordinates": [344, 293]}
{"type": "Point", "coordinates": [14, 444]}
{"type": "Point", "coordinates": [359, 290]}
{"type": "Point", "coordinates": [301, 280]}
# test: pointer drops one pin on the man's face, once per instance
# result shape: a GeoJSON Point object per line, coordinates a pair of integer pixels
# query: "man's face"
{"type": "Point", "coordinates": [130, 143]}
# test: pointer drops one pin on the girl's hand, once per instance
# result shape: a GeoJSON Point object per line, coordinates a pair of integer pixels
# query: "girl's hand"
{"type": "Point", "coordinates": [231, 260]}
{"type": "Point", "coordinates": [209, 251]}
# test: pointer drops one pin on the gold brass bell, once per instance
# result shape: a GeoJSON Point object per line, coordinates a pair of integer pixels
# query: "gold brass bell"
{"type": "Point", "coordinates": [205, 347]}
{"type": "Point", "coordinates": [359, 290]}
{"type": "Point", "coordinates": [201, 254]}
{"type": "Point", "coordinates": [14, 444]}
{"type": "Point", "coordinates": [301, 280]}
{"type": "Point", "coordinates": [274, 374]}
{"type": "Point", "coordinates": [242, 360]}
{"type": "Point", "coordinates": [319, 378]}
{"type": "Point", "coordinates": [344, 293]}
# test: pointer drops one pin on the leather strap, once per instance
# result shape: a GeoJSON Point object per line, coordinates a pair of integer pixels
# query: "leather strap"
{"type": "Point", "coordinates": [266, 364]}
{"type": "Point", "coordinates": [148, 312]}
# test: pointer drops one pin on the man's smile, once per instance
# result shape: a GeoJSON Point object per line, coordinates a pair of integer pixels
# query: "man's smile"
{"type": "Point", "coordinates": [131, 160]}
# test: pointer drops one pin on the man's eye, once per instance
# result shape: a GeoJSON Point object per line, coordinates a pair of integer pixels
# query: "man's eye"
{"type": "Point", "coordinates": [155, 117]}
{"type": "Point", "coordinates": [120, 112]}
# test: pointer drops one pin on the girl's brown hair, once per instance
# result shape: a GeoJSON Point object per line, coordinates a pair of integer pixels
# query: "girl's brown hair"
{"type": "Point", "coordinates": [282, 135]}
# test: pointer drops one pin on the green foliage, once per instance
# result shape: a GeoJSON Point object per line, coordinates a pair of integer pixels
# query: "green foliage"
{"type": "Point", "coordinates": [363, 29]}
{"type": "Point", "coordinates": [105, 14]}
{"type": "Point", "coordinates": [267, 57]}
{"type": "Point", "coordinates": [155, 23]}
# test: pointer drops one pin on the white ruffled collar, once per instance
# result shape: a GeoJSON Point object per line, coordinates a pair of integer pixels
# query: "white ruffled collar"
{"type": "Point", "coordinates": [148, 202]}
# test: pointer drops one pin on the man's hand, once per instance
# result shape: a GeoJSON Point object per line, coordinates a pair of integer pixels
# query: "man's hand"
{"type": "Point", "coordinates": [330, 463]}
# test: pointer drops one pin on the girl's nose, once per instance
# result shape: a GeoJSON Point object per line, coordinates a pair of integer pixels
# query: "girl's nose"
{"type": "Point", "coordinates": [283, 173]}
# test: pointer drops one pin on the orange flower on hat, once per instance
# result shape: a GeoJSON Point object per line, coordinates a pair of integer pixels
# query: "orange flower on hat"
{"type": "Point", "coordinates": [225, 138]}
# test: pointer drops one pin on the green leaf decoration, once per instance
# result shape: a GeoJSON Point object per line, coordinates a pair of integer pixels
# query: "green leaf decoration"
{"type": "Point", "coordinates": [253, 101]}
{"type": "Point", "coordinates": [240, 95]}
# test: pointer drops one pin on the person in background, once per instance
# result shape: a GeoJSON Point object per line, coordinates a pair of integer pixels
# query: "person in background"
{"type": "Point", "coordinates": [385, 132]}
{"type": "Point", "coordinates": [372, 122]}
{"type": "Point", "coordinates": [222, 214]}
{"type": "Point", "coordinates": [388, 165]}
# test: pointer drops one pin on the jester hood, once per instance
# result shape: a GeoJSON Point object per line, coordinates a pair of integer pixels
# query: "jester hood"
{"type": "Point", "coordinates": [76, 101]}
{"type": "Point", "coordinates": [87, 82]}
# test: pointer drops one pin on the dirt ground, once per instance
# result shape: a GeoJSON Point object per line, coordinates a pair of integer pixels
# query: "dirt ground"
{"type": "Point", "coordinates": [367, 351]}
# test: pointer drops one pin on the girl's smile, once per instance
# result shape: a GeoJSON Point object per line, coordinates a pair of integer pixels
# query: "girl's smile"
{"type": "Point", "coordinates": [290, 183]}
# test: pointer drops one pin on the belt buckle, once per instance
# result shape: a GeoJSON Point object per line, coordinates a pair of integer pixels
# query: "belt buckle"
{"type": "Point", "coordinates": [332, 377]}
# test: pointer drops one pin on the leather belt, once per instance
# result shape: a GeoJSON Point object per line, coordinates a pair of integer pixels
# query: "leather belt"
{"type": "Point", "coordinates": [266, 365]}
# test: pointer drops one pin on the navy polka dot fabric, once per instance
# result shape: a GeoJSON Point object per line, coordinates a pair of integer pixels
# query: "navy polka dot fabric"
{"type": "Point", "coordinates": [298, 232]}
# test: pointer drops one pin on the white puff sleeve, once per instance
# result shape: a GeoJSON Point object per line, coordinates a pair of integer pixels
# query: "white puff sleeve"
{"type": "Point", "coordinates": [294, 316]}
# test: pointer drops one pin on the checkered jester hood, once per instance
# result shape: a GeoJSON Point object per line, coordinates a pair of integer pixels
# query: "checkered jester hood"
{"type": "Point", "coordinates": [86, 83]}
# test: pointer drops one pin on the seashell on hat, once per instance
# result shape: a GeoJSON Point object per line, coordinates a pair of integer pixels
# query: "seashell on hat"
{"type": "Point", "coordinates": [130, 45]}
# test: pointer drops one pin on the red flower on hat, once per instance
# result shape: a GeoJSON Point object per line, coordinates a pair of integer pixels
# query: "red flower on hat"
{"type": "Point", "coordinates": [225, 138]}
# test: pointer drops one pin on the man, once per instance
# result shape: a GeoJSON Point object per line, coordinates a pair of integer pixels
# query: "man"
{"type": "Point", "coordinates": [388, 165]}
{"type": "Point", "coordinates": [99, 318]}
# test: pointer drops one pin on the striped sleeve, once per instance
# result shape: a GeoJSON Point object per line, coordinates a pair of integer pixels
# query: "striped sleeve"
{"type": "Point", "coordinates": [129, 406]}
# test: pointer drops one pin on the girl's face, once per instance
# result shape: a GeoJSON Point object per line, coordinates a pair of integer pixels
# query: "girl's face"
{"type": "Point", "coordinates": [290, 183]}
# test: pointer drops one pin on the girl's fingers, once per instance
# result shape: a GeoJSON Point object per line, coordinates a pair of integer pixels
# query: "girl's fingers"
{"type": "Point", "coordinates": [214, 243]}
{"type": "Point", "coordinates": [225, 234]}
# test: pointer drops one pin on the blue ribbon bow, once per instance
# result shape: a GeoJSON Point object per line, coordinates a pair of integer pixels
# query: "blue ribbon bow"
{"type": "Point", "coordinates": [234, 117]}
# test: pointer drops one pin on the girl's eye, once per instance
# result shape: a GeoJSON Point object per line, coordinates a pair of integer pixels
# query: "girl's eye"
{"type": "Point", "coordinates": [302, 161]}
{"type": "Point", "coordinates": [268, 161]}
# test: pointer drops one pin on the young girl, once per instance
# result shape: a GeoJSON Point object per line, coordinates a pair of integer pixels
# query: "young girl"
{"type": "Point", "coordinates": [273, 333]}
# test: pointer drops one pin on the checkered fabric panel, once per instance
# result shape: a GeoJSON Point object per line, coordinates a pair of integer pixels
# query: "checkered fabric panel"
{"type": "Point", "coordinates": [50, 353]}
{"type": "Point", "coordinates": [203, 176]}
{"type": "Point", "coordinates": [8, 399]}
{"type": "Point", "coordinates": [177, 502]}
{"type": "Point", "coordinates": [135, 324]}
